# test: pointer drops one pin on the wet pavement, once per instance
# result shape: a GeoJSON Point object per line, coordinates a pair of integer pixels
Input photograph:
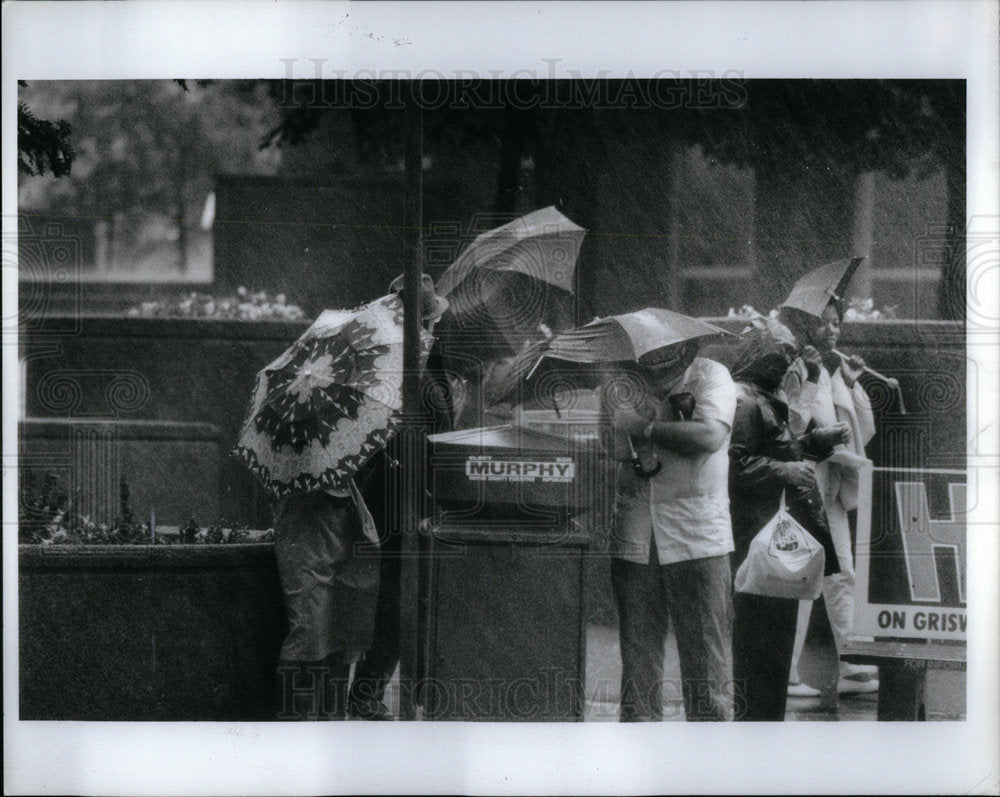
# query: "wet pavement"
{"type": "Point", "coordinates": [603, 683]}
{"type": "Point", "coordinates": [816, 666]}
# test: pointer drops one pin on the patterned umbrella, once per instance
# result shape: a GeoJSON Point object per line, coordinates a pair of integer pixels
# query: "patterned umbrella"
{"type": "Point", "coordinates": [326, 405]}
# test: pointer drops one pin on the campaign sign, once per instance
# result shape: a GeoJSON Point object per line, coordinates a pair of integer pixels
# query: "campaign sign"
{"type": "Point", "coordinates": [910, 555]}
{"type": "Point", "coordinates": [486, 468]}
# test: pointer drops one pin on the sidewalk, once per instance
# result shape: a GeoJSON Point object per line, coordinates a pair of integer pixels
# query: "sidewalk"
{"type": "Point", "coordinates": [603, 683]}
{"type": "Point", "coordinates": [604, 678]}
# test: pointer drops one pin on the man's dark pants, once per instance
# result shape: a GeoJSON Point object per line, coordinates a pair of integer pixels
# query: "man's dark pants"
{"type": "Point", "coordinates": [697, 596]}
{"type": "Point", "coordinates": [372, 673]}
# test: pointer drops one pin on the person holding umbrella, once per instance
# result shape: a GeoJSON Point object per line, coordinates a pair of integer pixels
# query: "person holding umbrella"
{"type": "Point", "coordinates": [506, 291]}
{"type": "Point", "coordinates": [318, 413]}
{"type": "Point", "coordinates": [671, 531]}
{"type": "Point", "coordinates": [669, 413]}
{"type": "Point", "coordinates": [383, 491]}
{"type": "Point", "coordinates": [822, 389]}
{"type": "Point", "coordinates": [766, 461]}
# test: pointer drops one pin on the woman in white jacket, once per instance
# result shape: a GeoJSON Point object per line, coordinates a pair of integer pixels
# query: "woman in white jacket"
{"type": "Point", "coordinates": [822, 389]}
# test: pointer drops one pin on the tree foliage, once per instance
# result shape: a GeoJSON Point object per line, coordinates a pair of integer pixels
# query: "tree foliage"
{"type": "Point", "coordinates": [805, 140]}
{"type": "Point", "coordinates": [145, 155]}
{"type": "Point", "coordinates": [140, 145]}
{"type": "Point", "coordinates": [900, 127]}
{"type": "Point", "coordinates": [42, 145]}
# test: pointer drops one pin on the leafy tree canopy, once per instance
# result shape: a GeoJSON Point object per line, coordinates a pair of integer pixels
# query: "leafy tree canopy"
{"type": "Point", "coordinates": [899, 126]}
{"type": "Point", "coordinates": [42, 145]}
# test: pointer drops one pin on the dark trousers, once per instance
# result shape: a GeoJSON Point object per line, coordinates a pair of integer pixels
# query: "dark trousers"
{"type": "Point", "coordinates": [372, 673]}
{"type": "Point", "coordinates": [763, 638]}
{"type": "Point", "coordinates": [313, 690]}
{"type": "Point", "coordinates": [697, 596]}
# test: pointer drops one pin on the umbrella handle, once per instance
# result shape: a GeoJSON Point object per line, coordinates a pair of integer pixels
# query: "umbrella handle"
{"type": "Point", "coordinates": [555, 406]}
{"type": "Point", "coordinates": [636, 463]}
{"type": "Point", "coordinates": [892, 383]}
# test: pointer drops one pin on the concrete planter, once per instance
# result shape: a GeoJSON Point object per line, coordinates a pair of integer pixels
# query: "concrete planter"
{"type": "Point", "coordinates": [147, 372]}
{"type": "Point", "coordinates": [91, 456]}
{"type": "Point", "coordinates": [140, 632]}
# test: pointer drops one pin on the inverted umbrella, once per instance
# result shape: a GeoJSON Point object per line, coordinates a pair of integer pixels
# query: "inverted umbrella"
{"type": "Point", "coordinates": [585, 356]}
{"type": "Point", "coordinates": [329, 402]}
{"type": "Point", "coordinates": [506, 282]}
{"type": "Point", "coordinates": [609, 348]}
{"type": "Point", "coordinates": [543, 245]}
{"type": "Point", "coordinates": [813, 291]}
{"type": "Point", "coordinates": [494, 315]}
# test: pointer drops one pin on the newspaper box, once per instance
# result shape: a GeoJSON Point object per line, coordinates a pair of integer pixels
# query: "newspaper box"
{"type": "Point", "coordinates": [504, 593]}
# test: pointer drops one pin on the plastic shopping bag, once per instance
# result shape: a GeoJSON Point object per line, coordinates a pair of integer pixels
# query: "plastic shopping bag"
{"type": "Point", "coordinates": [784, 561]}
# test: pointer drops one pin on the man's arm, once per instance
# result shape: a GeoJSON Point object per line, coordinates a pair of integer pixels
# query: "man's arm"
{"type": "Point", "coordinates": [702, 436]}
{"type": "Point", "coordinates": [698, 436]}
{"type": "Point", "coordinates": [713, 399]}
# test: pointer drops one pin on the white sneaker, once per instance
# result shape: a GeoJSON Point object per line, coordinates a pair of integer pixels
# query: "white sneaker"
{"type": "Point", "coordinates": [849, 686]}
{"type": "Point", "coordinates": [802, 690]}
{"type": "Point", "coordinates": [852, 671]}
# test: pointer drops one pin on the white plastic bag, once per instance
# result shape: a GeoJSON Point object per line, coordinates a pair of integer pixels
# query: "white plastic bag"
{"type": "Point", "coordinates": [784, 561]}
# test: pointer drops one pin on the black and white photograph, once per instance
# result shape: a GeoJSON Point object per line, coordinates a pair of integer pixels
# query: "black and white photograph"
{"type": "Point", "coordinates": [392, 407]}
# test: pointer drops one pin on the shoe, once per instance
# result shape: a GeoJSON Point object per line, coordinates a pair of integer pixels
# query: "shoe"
{"type": "Point", "coordinates": [373, 710]}
{"type": "Point", "coordinates": [850, 686]}
{"type": "Point", "coordinates": [858, 672]}
{"type": "Point", "coordinates": [802, 690]}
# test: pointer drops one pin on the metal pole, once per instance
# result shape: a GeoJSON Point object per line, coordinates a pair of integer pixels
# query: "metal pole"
{"type": "Point", "coordinates": [412, 474]}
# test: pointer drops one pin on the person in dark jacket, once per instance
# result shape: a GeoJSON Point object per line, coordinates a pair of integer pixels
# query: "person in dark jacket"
{"type": "Point", "coordinates": [766, 459]}
{"type": "Point", "coordinates": [383, 491]}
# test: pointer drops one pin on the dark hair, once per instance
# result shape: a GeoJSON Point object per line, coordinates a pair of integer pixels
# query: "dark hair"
{"type": "Point", "coordinates": [800, 322]}
{"type": "Point", "coordinates": [838, 305]}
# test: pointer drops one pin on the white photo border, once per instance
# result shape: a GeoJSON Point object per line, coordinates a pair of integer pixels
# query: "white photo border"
{"type": "Point", "coordinates": [939, 39]}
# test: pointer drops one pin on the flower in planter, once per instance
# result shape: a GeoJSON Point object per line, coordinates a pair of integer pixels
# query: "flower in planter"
{"type": "Point", "coordinates": [746, 312]}
{"type": "Point", "coordinates": [238, 536]}
{"type": "Point", "coordinates": [858, 310]}
{"type": "Point", "coordinates": [189, 531]}
{"type": "Point", "coordinates": [214, 535]}
{"type": "Point", "coordinates": [46, 517]}
{"type": "Point", "coordinates": [243, 305]}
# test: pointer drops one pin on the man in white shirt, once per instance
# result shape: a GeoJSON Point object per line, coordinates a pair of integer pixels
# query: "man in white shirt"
{"type": "Point", "coordinates": [672, 536]}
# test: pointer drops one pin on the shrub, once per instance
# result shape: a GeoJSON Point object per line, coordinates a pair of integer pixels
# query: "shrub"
{"type": "Point", "coordinates": [858, 311]}
{"type": "Point", "coordinates": [242, 305]}
{"type": "Point", "coordinates": [47, 516]}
